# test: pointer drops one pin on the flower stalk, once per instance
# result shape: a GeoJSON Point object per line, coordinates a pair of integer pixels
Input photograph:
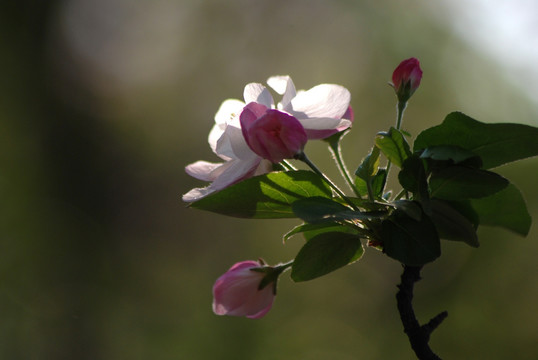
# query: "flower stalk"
{"type": "Point", "coordinates": [336, 152]}
{"type": "Point", "coordinates": [302, 157]}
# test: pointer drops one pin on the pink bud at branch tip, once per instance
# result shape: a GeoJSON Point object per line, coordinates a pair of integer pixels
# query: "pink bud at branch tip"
{"type": "Point", "coordinates": [406, 78]}
{"type": "Point", "coordinates": [237, 292]}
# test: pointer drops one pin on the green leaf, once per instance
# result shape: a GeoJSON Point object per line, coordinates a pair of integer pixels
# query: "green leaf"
{"type": "Point", "coordinates": [378, 184]}
{"type": "Point", "coordinates": [369, 165]}
{"type": "Point", "coordinates": [318, 209]}
{"type": "Point", "coordinates": [266, 196]}
{"type": "Point", "coordinates": [410, 208]}
{"type": "Point", "coordinates": [365, 204]}
{"type": "Point", "coordinates": [452, 155]}
{"type": "Point", "coordinates": [336, 227]}
{"type": "Point", "coordinates": [409, 241]}
{"type": "Point", "coordinates": [369, 171]}
{"type": "Point", "coordinates": [311, 230]}
{"type": "Point", "coordinates": [496, 144]}
{"type": "Point", "coordinates": [464, 208]}
{"type": "Point", "coordinates": [506, 209]}
{"type": "Point", "coordinates": [393, 145]}
{"type": "Point", "coordinates": [412, 177]}
{"type": "Point", "coordinates": [460, 182]}
{"type": "Point", "coordinates": [451, 224]}
{"type": "Point", "coordinates": [325, 253]}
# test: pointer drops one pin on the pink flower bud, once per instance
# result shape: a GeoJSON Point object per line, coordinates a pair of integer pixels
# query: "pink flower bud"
{"type": "Point", "coordinates": [272, 134]}
{"type": "Point", "coordinates": [406, 78]}
{"type": "Point", "coordinates": [238, 292]}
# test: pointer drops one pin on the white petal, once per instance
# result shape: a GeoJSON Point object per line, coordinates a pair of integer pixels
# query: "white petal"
{"type": "Point", "coordinates": [224, 144]}
{"type": "Point", "coordinates": [203, 170]}
{"type": "Point", "coordinates": [264, 167]}
{"type": "Point", "coordinates": [283, 85]}
{"type": "Point", "coordinates": [278, 83]}
{"type": "Point", "coordinates": [235, 171]}
{"type": "Point", "coordinates": [233, 145]}
{"type": "Point", "coordinates": [255, 92]}
{"type": "Point", "coordinates": [232, 172]}
{"type": "Point", "coordinates": [228, 111]}
{"type": "Point", "coordinates": [214, 135]}
{"type": "Point", "coordinates": [196, 194]}
{"type": "Point", "coordinates": [322, 101]}
{"type": "Point", "coordinates": [321, 123]}
{"type": "Point", "coordinates": [344, 124]}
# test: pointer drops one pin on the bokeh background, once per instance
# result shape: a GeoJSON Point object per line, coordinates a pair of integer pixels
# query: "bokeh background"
{"type": "Point", "coordinates": [103, 103]}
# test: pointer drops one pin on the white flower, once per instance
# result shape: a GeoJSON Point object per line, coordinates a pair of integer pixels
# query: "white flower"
{"type": "Point", "coordinates": [322, 110]}
{"type": "Point", "coordinates": [227, 141]}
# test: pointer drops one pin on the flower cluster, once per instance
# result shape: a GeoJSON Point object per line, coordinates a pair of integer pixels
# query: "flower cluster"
{"type": "Point", "coordinates": [447, 167]}
{"type": "Point", "coordinates": [252, 135]}
{"type": "Point", "coordinates": [447, 188]}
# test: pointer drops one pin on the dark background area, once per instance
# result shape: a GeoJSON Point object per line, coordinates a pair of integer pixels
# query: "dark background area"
{"type": "Point", "coordinates": [103, 103]}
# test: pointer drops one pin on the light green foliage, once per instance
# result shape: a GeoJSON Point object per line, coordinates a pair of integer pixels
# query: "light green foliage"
{"type": "Point", "coordinates": [450, 194]}
{"type": "Point", "coordinates": [394, 145]}
{"type": "Point", "coordinates": [267, 196]}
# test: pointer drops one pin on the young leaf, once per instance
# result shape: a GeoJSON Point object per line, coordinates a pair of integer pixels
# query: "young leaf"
{"type": "Point", "coordinates": [409, 241]}
{"type": "Point", "coordinates": [393, 145]}
{"type": "Point", "coordinates": [460, 182]}
{"type": "Point", "coordinates": [496, 144]}
{"type": "Point", "coordinates": [506, 209]}
{"type": "Point", "coordinates": [325, 253]}
{"type": "Point", "coordinates": [266, 196]}
{"type": "Point", "coordinates": [369, 165]}
{"type": "Point", "coordinates": [369, 174]}
{"type": "Point", "coordinates": [361, 186]}
{"type": "Point", "coordinates": [378, 184]}
{"type": "Point", "coordinates": [451, 224]}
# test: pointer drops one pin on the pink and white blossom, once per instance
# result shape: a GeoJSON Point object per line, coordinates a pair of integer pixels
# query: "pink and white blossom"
{"type": "Point", "coordinates": [237, 292]}
{"type": "Point", "coordinates": [322, 111]}
{"type": "Point", "coordinates": [272, 134]}
{"type": "Point", "coordinates": [227, 142]}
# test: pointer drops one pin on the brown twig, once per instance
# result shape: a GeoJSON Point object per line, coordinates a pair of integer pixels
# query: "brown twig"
{"type": "Point", "coordinates": [419, 335]}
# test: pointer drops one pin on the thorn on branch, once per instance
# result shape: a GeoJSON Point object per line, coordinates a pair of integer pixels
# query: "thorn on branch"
{"type": "Point", "coordinates": [435, 322]}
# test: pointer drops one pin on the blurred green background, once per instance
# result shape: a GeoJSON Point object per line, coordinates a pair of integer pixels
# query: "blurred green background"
{"type": "Point", "coordinates": [103, 103]}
